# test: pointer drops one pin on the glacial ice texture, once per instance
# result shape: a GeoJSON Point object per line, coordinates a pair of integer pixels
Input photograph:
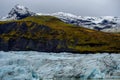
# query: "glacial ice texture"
{"type": "Point", "coordinates": [44, 66]}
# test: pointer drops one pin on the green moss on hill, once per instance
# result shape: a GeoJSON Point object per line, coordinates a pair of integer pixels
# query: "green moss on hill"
{"type": "Point", "coordinates": [49, 34]}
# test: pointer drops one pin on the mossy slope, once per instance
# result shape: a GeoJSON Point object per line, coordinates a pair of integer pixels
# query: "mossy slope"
{"type": "Point", "coordinates": [49, 34]}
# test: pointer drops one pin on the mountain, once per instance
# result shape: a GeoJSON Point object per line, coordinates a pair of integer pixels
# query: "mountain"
{"type": "Point", "coordinates": [50, 34]}
{"type": "Point", "coordinates": [18, 12]}
{"type": "Point", "coordinates": [103, 23]}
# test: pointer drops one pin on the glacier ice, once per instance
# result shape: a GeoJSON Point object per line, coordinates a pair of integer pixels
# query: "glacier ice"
{"type": "Point", "coordinates": [32, 65]}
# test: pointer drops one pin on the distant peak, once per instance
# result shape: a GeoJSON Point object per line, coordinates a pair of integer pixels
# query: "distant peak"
{"type": "Point", "coordinates": [19, 12]}
{"type": "Point", "coordinates": [20, 9]}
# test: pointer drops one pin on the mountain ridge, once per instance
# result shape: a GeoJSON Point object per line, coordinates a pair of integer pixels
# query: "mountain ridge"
{"type": "Point", "coordinates": [102, 23]}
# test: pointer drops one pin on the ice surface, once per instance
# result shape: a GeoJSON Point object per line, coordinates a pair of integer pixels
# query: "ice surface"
{"type": "Point", "coordinates": [46, 66]}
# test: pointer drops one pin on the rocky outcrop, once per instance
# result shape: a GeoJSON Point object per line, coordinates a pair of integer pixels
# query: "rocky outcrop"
{"type": "Point", "coordinates": [18, 37]}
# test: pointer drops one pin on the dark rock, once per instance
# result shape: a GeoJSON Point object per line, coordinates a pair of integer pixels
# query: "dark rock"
{"type": "Point", "coordinates": [5, 28]}
{"type": "Point", "coordinates": [97, 28]}
{"type": "Point", "coordinates": [4, 45]}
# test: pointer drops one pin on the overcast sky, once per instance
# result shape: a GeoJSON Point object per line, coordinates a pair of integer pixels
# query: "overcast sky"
{"type": "Point", "coordinates": [77, 7]}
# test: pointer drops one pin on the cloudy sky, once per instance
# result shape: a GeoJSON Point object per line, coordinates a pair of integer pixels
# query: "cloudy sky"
{"type": "Point", "coordinates": [77, 7]}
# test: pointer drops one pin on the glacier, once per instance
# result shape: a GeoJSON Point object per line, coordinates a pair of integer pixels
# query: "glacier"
{"type": "Point", "coordinates": [31, 65]}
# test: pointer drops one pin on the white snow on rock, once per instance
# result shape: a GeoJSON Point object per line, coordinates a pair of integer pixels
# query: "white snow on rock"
{"type": "Point", "coordinates": [100, 23]}
{"type": "Point", "coordinates": [18, 12]}
{"type": "Point", "coordinates": [48, 66]}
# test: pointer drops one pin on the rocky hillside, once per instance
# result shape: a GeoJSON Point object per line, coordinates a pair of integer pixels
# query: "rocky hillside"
{"type": "Point", "coordinates": [50, 34]}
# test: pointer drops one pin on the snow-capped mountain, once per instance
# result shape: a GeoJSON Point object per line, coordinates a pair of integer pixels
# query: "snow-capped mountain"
{"type": "Point", "coordinates": [102, 23]}
{"type": "Point", "coordinates": [18, 12]}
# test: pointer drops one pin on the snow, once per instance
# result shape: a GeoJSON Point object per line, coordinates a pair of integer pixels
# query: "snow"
{"type": "Point", "coordinates": [38, 65]}
{"type": "Point", "coordinates": [20, 9]}
{"type": "Point", "coordinates": [20, 6]}
{"type": "Point", "coordinates": [89, 21]}
{"type": "Point", "coordinates": [16, 12]}
{"type": "Point", "coordinates": [61, 14]}
{"type": "Point", "coordinates": [112, 25]}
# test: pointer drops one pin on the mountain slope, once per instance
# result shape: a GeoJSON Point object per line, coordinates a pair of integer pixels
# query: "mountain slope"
{"type": "Point", "coordinates": [102, 23]}
{"type": "Point", "coordinates": [50, 34]}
